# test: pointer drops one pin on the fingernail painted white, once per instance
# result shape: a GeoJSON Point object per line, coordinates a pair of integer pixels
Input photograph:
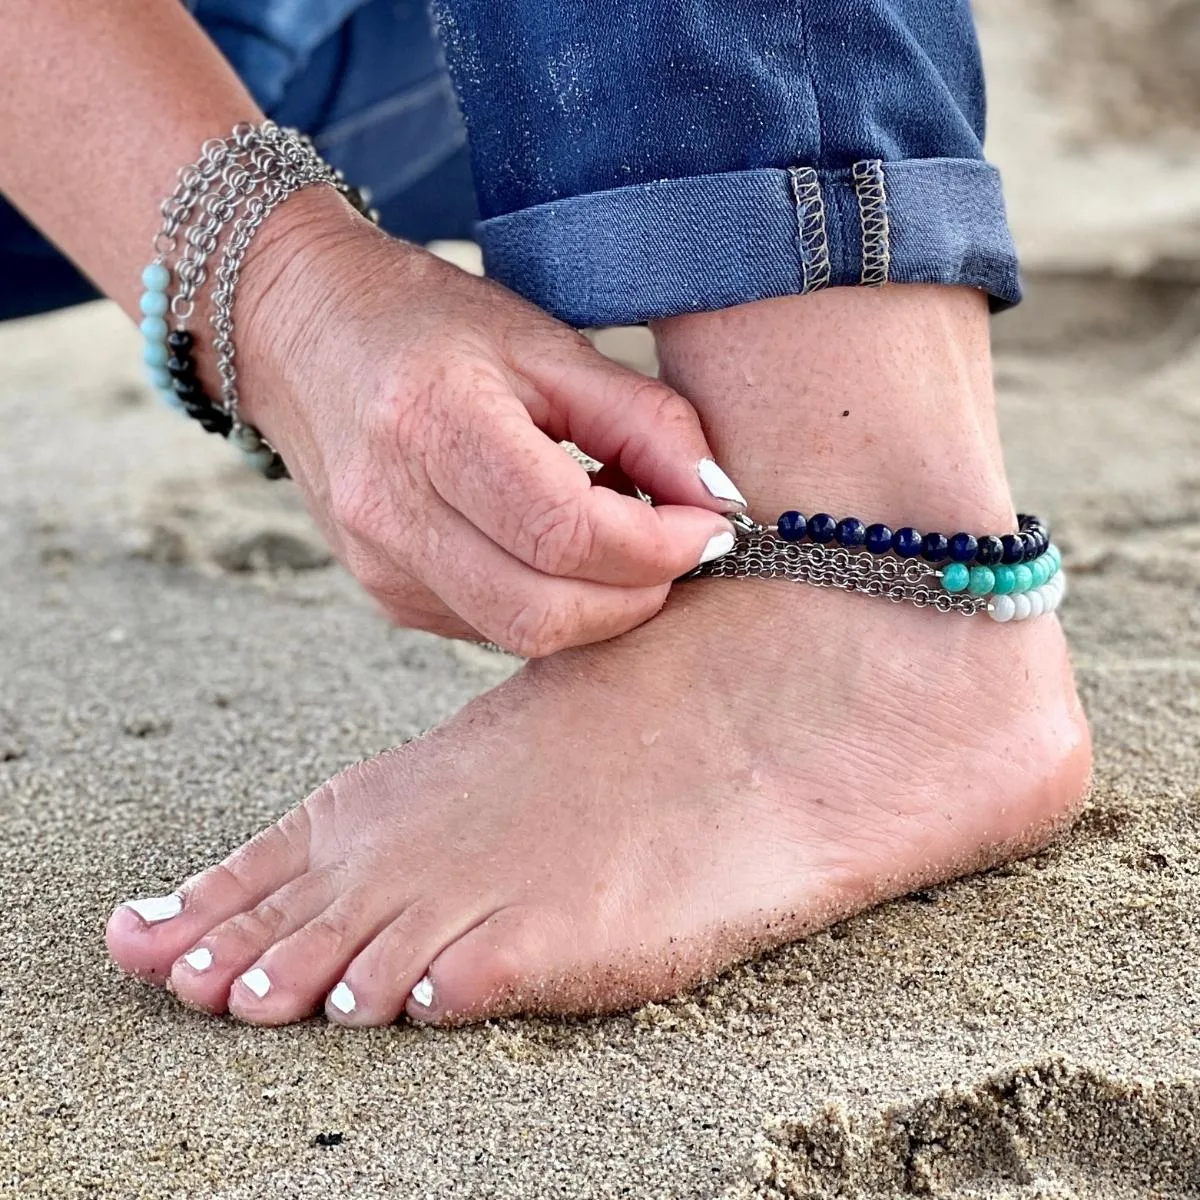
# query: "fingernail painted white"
{"type": "Point", "coordinates": [199, 959]}
{"type": "Point", "coordinates": [153, 909]}
{"type": "Point", "coordinates": [257, 981]}
{"type": "Point", "coordinates": [423, 992]}
{"type": "Point", "coordinates": [342, 998]}
{"type": "Point", "coordinates": [718, 483]}
{"type": "Point", "coordinates": [717, 546]}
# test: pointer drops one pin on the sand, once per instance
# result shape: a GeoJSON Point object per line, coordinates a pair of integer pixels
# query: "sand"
{"type": "Point", "coordinates": [179, 663]}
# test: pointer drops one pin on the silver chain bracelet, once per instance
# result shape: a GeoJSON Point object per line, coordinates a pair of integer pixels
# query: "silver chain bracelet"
{"type": "Point", "coordinates": [229, 192]}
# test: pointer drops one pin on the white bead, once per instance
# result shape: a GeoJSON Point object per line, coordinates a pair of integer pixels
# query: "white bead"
{"type": "Point", "coordinates": [1062, 585]}
{"type": "Point", "coordinates": [1001, 608]}
{"type": "Point", "coordinates": [1037, 602]}
{"type": "Point", "coordinates": [1021, 605]}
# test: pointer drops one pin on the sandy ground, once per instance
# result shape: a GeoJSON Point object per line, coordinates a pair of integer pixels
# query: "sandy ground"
{"type": "Point", "coordinates": [179, 663]}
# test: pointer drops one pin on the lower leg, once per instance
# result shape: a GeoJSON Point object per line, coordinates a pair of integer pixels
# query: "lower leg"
{"type": "Point", "coordinates": [619, 821]}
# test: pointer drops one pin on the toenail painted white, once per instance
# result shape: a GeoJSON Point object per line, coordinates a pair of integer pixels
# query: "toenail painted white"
{"type": "Point", "coordinates": [718, 483]}
{"type": "Point", "coordinates": [199, 959]}
{"type": "Point", "coordinates": [342, 998]}
{"type": "Point", "coordinates": [257, 981]}
{"type": "Point", "coordinates": [423, 992]}
{"type": "Point", "coordinates": [717, 547]}
{"type": "Point", "coordinates": [153, 909]}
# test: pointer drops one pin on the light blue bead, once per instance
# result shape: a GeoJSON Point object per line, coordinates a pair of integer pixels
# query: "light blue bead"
{"type": "Point", "coordinates": [155, 354]}
{"type": "Point", "coordinates": [156, 277]}
{"type": "Point", "coordinates": [168, 397]}
{"type": "Point", "coordinates": [154, 329]}
{"type": "Point", "coordinates": [160, 377]}
{"type": "Point", "coordinates": [245, 439]}
{"type": "Point", "coordinates": [154, 304]}
{"type": "Point", "coordinates": [259, 459]}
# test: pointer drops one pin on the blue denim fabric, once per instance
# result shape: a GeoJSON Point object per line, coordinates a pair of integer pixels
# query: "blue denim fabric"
{"type": "Point", "coordinates": [635, 160]}
{"type": "Point", "coordinates": [365, 77]}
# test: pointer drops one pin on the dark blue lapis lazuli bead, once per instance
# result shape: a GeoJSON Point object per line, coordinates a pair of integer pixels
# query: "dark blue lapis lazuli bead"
{"type": "Point", "coordinates": [851, 533]}
{"type": "Point", "coordinates": [989, 551]}
{"type": "Point", "coordinates": [821, 527]}
{"type": "Point", "coordinates": [962, 547]}
{"type": "Point", "coordinates": [935, 547]}
{"type": "Point", "coordinates": [791, 525]}
{"type": "Point", "coordinates": [906, 542]}
{"type": "Point", "coordinates": [1014, 548]}
{"type": "Point", "coordinates": [1030, 542]}
{"type": "Point", "coordinates": [879, 539]}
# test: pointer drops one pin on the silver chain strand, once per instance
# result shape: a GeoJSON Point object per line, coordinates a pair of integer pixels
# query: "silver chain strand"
{"type": "Point", "coordinates": [762, 555]}
{"type": "Point", "coordinates": [234, 186]}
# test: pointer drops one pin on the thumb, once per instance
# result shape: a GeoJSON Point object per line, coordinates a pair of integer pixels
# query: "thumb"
{"type": "Point", "coordinates": [628, 420]}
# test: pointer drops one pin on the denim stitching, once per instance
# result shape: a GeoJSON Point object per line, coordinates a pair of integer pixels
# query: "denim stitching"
{"type": "Point", "coordinates": [810, 224]}
{"type": "Point", "coordinates": [873, 215]}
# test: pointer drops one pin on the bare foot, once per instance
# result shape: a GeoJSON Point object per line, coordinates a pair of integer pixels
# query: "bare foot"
{"type": "Point", "coordinates": [617, 822]}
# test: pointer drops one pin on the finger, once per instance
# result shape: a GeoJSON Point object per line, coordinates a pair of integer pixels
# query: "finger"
{"type": "Point", "coordinates": [524, 611]}
{"type": "Point", "coordinates": [620, 416]}
{"type": "Point", "coordinates": [537, 503]}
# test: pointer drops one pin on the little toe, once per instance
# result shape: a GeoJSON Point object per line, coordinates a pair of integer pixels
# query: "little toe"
{"type": "Point", "coordinates": [145, 936]}
{"type": "Point", "coordinates": [375, 986]}
{"type": "Point", "coordinates": [204, 973]}
{"type": "Point", "coordinates": [496, 968]}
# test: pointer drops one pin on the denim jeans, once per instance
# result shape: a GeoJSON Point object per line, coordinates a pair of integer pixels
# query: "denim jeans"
{"type": "Point", "coordinates": [629, 159]}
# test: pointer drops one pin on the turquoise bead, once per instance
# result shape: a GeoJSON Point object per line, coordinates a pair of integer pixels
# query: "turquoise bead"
{"type": "Point", "coordinates": [154, 304]}
{"type": "Point", "coordinates": [1040, 570]}
{"type": "Point", "coordinates": [155, 278]}
{"type": "Point", "coordinates": [160, 377]}
{"type": "Point", "coordinates": [155, 354]}
{"type": "Point", "coordinates": [1003, 581]}
{"type": "Point", "coordinates": [981, 582]}
{"type": "Point", "coordinates": [1055, 557]}
{"type": "Point", "coordinates": [154, 329]}
{"type": "Point", "coordinates": [1023, 576]}
{"type": "Point", "coordinates": [955, 577]}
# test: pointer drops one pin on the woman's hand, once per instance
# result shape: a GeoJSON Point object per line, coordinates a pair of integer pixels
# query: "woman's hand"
{"type": "Point", "coordinates": [419, 407]}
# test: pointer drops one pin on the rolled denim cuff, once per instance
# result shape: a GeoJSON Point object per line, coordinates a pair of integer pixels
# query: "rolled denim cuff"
{"type": "Point", "coordinates": [631, 254]}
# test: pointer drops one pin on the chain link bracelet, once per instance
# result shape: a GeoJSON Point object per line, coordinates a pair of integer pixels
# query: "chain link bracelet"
{"type": "Point", "coordinates": [226, 194]}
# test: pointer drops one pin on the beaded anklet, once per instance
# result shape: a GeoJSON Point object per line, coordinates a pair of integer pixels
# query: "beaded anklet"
{"type": "Point", "coordinates": [237, 181]}
{"type": "Point", "coordinates": [1033, 584]}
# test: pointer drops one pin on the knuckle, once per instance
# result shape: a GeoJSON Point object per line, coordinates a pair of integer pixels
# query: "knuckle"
{"type": "Point", "coordinates": [535, 631]}
{"type": "Point", "coordinates": [557, 536]}
{"type": "Point", "coordinates": [661, 402]}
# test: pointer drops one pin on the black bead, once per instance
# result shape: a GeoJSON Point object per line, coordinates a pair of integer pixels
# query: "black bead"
{"type": "Point", "coordinates": [935, 547]}
{"type": "Point", "coordinates": [821, 527]}
{"type": "Point", "coordinates": [187, 388]}
{"type": "Point", "coordinates": [907, 542]}
{"type": "Point", "coordinates": [181, 367]}
{"type": "Point", "coordinates": [989, 551]}
{"type": "Point", "coordinates": [1014, 549]}
{"type": "Point", "coordinates": [962, 547]}
{"type": "Point", "coordinates": [851, 533]}
{"type": "Point", "coordinates": [276, 469]}
{"type": "Point", "coordinates": [216, 421]}
{"type": "Point", "coordinates": [180, 339]}
{"type": "Point", "coordinates": [791, 525]}
{"type": "Point", "coordinates": [879, 539]}
{"type": "Point", "coordinates": [1030, 543]}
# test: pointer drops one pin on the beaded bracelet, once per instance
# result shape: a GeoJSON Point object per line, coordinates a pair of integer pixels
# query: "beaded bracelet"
{"type": "Point", "coordinates": [1005, 592]}
{"type": "Point", "coordinates": [236, 184]}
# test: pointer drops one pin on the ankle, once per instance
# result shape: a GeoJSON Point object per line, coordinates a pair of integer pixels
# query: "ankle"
{"type": "Point", "coordinates": [877, 403]}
